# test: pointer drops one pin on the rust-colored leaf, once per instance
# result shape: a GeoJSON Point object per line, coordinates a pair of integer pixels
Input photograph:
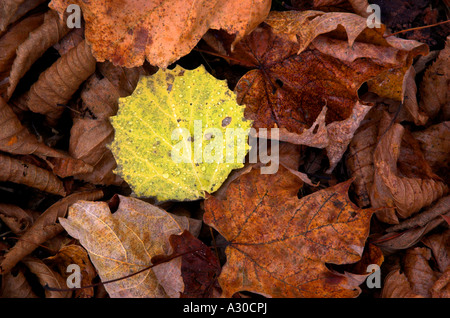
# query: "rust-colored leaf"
{"type": "Point", "coordinates": [279, 244]}
{"type": "Point", "coordinates": [199, 266]}
{"type": "Point", "coordinates": [160, 31]}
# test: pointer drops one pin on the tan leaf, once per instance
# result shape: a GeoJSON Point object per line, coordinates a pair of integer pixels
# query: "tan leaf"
{"type": "Point", "coordinates": [17, 171]}
{"type": "Point", "coordinates": [145, 26]}
{"type": "Point", "coordinates": [123, 243]}
{"type": "Point", "coordinates": [58, 83]}
{"type": "Point", "coordinates": [418, 271]}
{"type": "Point", "coordinates": [43, 229]}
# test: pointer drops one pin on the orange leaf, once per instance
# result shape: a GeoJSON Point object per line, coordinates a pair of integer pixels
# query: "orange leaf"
{"type": "Point", "coordinates": [127, 32]}
{"type": "Point", "coordinates": [279, 244]}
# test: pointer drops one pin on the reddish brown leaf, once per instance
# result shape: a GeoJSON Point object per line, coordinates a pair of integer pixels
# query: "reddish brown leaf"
{"type": "Point", "coordinates": [199, 266]}
{"type": "Point", "coordinates": [279, 244]}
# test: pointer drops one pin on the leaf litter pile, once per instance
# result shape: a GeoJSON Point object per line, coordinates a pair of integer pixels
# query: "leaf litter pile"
{"type": "Point", "coordinates": [92, 116]}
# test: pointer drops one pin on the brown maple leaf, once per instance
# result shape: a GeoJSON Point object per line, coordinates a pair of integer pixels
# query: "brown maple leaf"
{"type": "Point", "coordinates": [279, 244]}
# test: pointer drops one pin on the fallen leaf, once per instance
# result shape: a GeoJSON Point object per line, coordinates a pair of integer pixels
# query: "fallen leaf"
{"type": "Point", "coordinates": [199, 268]}
{"type": "Point", "coordinates": [75, 254]}
{"type": "Point", "coordinates": [44, 228]}
{"type": "Point", "coordinates": [13, 10]}
{"type": "Point", "coordinates": [394, 186]}
{"type": "Point", "coordinates": [13, 38]}
{"type": "Point", "coordinates": [279, 244]}
{"type": "Point", "coordinates": [18, 171]}
{"type": "Point", "coordinates": [435, 144]}
{"type": "Point", "coordinates": [123, 243]}
{"type": "Point", "coordinates": [47, 276]}
{"type": "Point", "coordinates": [439, 243]}
{"type": "Point", "coordinates": [15, 285]}
{"type": "Point", "coordinates": [396, 285]}
{"type": "Point", "coordinates": [38, 41]}
{"type": "Point", "coordinates": [168, 105]}
{"type": "Point", "coordinates": [144, 27]}
{"type": "Point", "coordinates": [435, 86]}
{"type": "Point", "coordinates": [419, 273]}
{"type": "Point", "coordinates": [17, 219]}
{"type": "Point", "coordinates": [58, 83]}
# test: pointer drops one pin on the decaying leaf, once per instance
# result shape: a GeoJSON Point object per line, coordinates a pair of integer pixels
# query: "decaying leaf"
{"type": "Point", "coordinates": [199, 268]}
{"type": "Point", "coordinates": [57, 84]}
{"type": "Point", "coordinates": [75, 254]}
{"type": "Point", "coordinates": [18, 171]}
{"type": "Point", "coordinates": [160, 31]}
{"type": "Point", "coordinates": [13, 38]}
{"type": "Point", "coordinates": [396, 285]}
{"type": "Point", "coordinates": [39, 40]}
{"type": "Point", "coordinates": [435, 86]}
{"type": "Point", "coordinates": [279, 244]}
{"type": "Point", "coordinates": [124, 242]}
{"type": "Point", "coordinates": [17, 219]}
{"type": "Point", "coordinates": [168, 105]}
{"type": "Point", "coordinates": [13, 10]}
{"type": "Point", "coordinates": [47, 276]}
{"type": "Point", "coordinates": [408, 188]}
{"type": "Point", "coordinates": [16, 286]}
{"type": "Point", "coordinates": [44, 228]}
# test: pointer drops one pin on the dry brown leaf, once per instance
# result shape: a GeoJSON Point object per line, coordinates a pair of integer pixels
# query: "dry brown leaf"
{"type": "Point", "coordinates": [418, 271]}
{"type": "Point", "coordinates": [439, 243]}
{"type": "Point", "coordinates": [359, 159]}
{"type": "Point", "coordinates": [39, 40]}
{"type": "Point", "coordinates": [357, 6]}
{"type": "Point", "coordinates": [123, 243]}
{"type": "Point", "coordinates": [408, 190]}
{"type": "Point", "coordinates": [435, 144]}
{"type": "Point", "coordinates": [16, 139]}
{"type": "Point", "coordinates": [15, 285]}
{"type": "Point", "coordinates": [305, 26]}
{"type": "Point", "coordinates": [17, 219]}
{"type": "Point", "coordinates": [396, 285]}
{"type": "Point", "coordinates": [88, 142]}
{"type": "Point", "coordinates": [58, 83]}
{"type": "Point", "coordinates": [44, 228]}
{"type": "Point", "coordinates": [146, 26]}
{"type": "Point", "coordinates": [75, 254]}
{"type": "Point", "coordinates": [278, 244]}
{"type": "Point", "coordinates": [435, 86]}
{"type": "Point", "coordinates": [47, 276]}
{"type": "Point", "coordinates": [410, 109]}
{"type": "Point", "coordinates": [18, 171]}
{"type": "Point", "coordinates": [13, 38]}
{"type": "Point", "coordinates": [441, 288]}
{"type": "Point", "coordinates": [12, 10]}
{"type": "Point", "coordinates": [70, 40]}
